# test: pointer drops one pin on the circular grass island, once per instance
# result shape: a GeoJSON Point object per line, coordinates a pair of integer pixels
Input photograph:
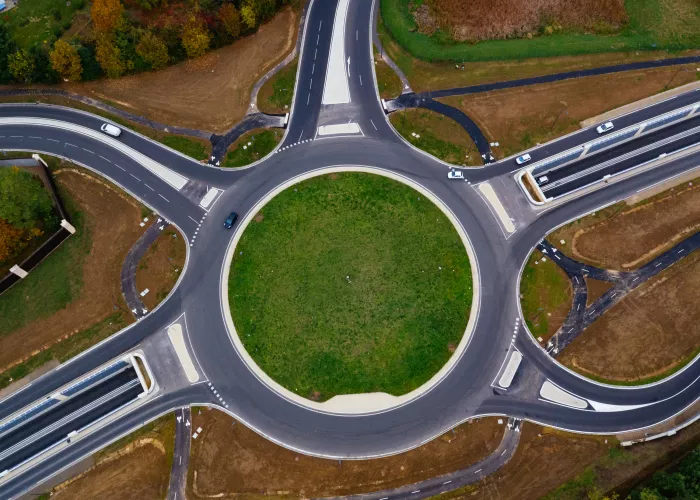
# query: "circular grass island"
{"type": "Point", "coordinates": [350, 283]}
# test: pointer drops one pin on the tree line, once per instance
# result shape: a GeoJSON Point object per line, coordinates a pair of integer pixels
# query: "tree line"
{"type": "Point", "coordinates": [120, 44]}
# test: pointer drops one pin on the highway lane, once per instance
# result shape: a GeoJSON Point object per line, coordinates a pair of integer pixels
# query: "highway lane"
{"type": "Point", "coordinates": [463, 393]}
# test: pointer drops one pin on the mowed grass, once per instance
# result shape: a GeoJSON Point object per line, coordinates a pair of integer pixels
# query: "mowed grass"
{"type": "Point", "coordinates": [251, 147]}
{"type": "Point", "coordinates": [350, 283]}
{"type": "Point", "coordinates": [276, 94]}
{"type": "Point", "coordinates": [440, 136]}
{"type": "Point", "coordinates": [54, 283]}
{"type": "Point", "coordinates": [544, 288]}
{"type": "Point", "coordinates": [197, 149]}
{"type": "Point", "coordinates": [652, 25]}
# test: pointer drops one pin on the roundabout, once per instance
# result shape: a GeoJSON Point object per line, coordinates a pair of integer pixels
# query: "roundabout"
{"type": "Point", "coordinates": [350, 289]}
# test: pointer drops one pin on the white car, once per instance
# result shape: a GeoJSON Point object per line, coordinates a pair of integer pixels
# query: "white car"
{"type": "Point", "coordinates": [601, 129]}
{"type": "Point", "coordinates": [455, 174]}
{"type": "Point", "coordinates": [111, 130]}
{"type": "Point", "coordinates": [523, 159]}
{"type": "Point", "coordinates": [543, 180]}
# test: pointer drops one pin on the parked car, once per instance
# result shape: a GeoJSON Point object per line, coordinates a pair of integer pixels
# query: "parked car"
{"type": "Point", "coordinates": [455, 174]}
{"type": "Point", "coordinates": [110, 129]}
{"type": "Point", "coordinates": [543, 180]}
{"type": "Point", "coordinates": [230, 220]}
{"type": "Point", "coordinates": [601, 129]}
{"type": "Point", "coordinates": [523, 159]}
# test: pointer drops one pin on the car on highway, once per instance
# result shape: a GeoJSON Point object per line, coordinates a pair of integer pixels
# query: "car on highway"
{"type": "Point", "coordinates": [455, 174]}
{"type": "Point", "coordinates": [543, 180]}
{"type": "Point", "coordinates": [110, 129]}
{"type": "Point", "coordinates": [230, 220]}
{"type": "Point", "coordinates": [601, 129]}
{"type": "Point", "coordinates": [523, 159]}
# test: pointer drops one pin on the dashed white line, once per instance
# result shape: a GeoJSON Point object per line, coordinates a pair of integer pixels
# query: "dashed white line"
{"type": "Point", "coordinates": [88, 151]}
{"type": "Point", "coordinates": [504, 452]}
{"type": "Point", "coordinates": [447, 482]}
{"type": "Point", "coordinates": [164, 197]}
{"type": "Point", "coordinates": [149, 187]}
{"type": "Point", "coordinates": [360, 80]}
{"type": "Point", "coordinates": [317, 39]}
{"type": "Point", "coordinates": [132, 175]}
{"type": "Point", "coordinates": [375, 127]}
{"type": "Point", "coordinates": [477, 471]}
{"type": "Point", "coordinates": [657, 265]}
{"type": "Point", "coordinates": [105, 159]}
{"type": "Point", "coordinates": [34, 137]}
{"type": "Point", "coordinates": [69, 144]}
{"type": "Point", "coordinates": [357, 34]}
{"type": "Point", "coordinates": [635, 279]}
{"type": "Point", "coordinates": [16, 136]}
{"type": "Point", "coordinates": [311, 83]}
{"type": "Point", "coordinates": [681, 250]}
{"type": "Point", "coordinates": [313, 68]}
{"type": "Point", "coordinates": [120, 168]}
{"type": "Point", "coordinates": [52, 140]}
{"type": "Point", "coordinates": [414, 492]}
{"type": "Point", "coordinates": [308, 98]}
{"type": "Point", "coordinates": [320, 24]}
{"type": "Point", "coordinates": [315, 52]}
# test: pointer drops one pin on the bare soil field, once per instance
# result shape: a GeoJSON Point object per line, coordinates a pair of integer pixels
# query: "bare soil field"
{"type": "Point", "coordinates": [635, 235]}
{"type": "Point", "coordinates": [209, 93]}
{"type": "Point", "coordinates": [662, 312]}
{"type": "Point", "coordinates": [160, 267]}
{"type": "Point", "coordinates": [231, 460]}
{"type": "Point", "coordinates": [113, 221]}
{"type": "Point", "coordinates": [523, 117]}
{"type": "Point", "coordinates": [596, 289]}
{"type": "Point", "coordinates": [497, 19]}
{"type": "Point", "coordinates": [135, 467]}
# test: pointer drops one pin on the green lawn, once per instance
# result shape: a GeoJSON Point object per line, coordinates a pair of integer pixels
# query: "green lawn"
{"type": "Point", "coordinates": [350, 283]}
{"type": "Point", "coordinates": [440, 136]}
{"type": "Point", "coordinates": [544, 288]}
{"type": "Point", "coordinates": [653, 25]}
{"type": "Point", "coordinates": [36, 21]}
{"type": "Point", "coordinates": [262, 141]}
{"type": "Point", "coordinates": [53, 284]}
{"type": "Point", "coordinates": [277, 93]}
{"type": "Point", "coordinates": [189, 147]}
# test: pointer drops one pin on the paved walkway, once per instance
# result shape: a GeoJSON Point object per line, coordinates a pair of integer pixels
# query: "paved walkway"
{"type": "Point", "coordinates": [181, 456]}
{"type": "Point", "coordinates": [453, 480]}
{"type": "Point", "coordinates": [130, 265]}
{"type": "Point", "coordinates": [580, 316]}
{"type": "Point", "coordinates": [405, 84]}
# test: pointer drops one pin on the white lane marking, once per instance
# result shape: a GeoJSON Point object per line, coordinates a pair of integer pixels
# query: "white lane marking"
{"type": "Point", "coordinates": [357, 34]}
{"type": "Point", "coordinates": [315, 53]}
{"type": "Point", "coordinates": [313, 68]}
{"type": "Point", "coordinates": [504, 452]}
{"type": "Point", "coordinates": [69, 144]}
{"type": "Point", "coordinates": [34, 137]}
{"type": "Point", "coordinates": [360, 80]}
{"type": "Point", "coordinates": [164, 197]}
{"type": "Point", "coordinates": [635, 279]}
{"type": "Point", "coordinates": [657, 265]}
{"type": "Point", "coordinates": [120, 168]}
{"type": "Point", "coordinates": [149, 187]}
{"type": "Point", "coordinates": [311, 83]}
{"type": "Point", "coordinates": [320, 24]}
{"type": "Point", "coordinates": [308, 98]}
{"type": "Point", "coordinates": [414, 492]}
{"type": "Point", "coordinates": [447, 482]}
{"type": "Point", "coordinates": [105, 159]}
{"type": "Point", "coordinates": [16, 136]}
{"type": "Point", "coordinates": [88, 151]}
{"type": "Point", "coordinates": [317, 39]}
{"type": "Point", "coordinates": [477, 471]}
{"type": "Point", "coordinates": [681, 250]}
{"type": "Point", "coordinates": [132, 175]}
{"type": "Point", "coordinates": [193, 220]}
{"type": "Point", "coordinates": [375, 127]}
{"type": "Point", "coordinates": [52, 140]}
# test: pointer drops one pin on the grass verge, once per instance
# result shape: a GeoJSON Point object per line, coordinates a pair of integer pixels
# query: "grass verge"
{"type": "Point", "coordinates": [276, 94]}
{"type": "Point", "coordinates": [388, 82]}
{"type": "Point", "coordinates": [194, 148]}
{"type": "Point", "coordinates": [440, 136]}
{"type": "Point", "coordinates": [653, 25]}
{"type": "Point", "coordinates": [252, 146]}
{"type": "Point", "coordinates": [67, 349]}
{"type": "Point", "coordinates": [545, 296]}
{"type": "Point", "coordinates": [370, 280]}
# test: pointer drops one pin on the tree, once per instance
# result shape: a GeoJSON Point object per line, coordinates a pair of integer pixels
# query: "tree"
{"type": "Point", "coordinates": [248, 15]}
{"type": "Point", "coordinates": [7, 46]}
{"type": "Point", "coordinates": [10, 240]}
{"type": "Point", "coordinates": [106, 14]}
{"type": "Point", "coordinates": [22, 65]}
{"type": "Point", "coordinates": [195, 38]}
{"type": "Point", "coordinates": [23, 199]}
{"type": "Point", "coordinates": [230, 18]}
{"type": "Point", "coordinates": [65, 60]}
{"type": "Point", "coordinates": [153, 50]}
{"type": "Point", "coordinates": [109, 56]}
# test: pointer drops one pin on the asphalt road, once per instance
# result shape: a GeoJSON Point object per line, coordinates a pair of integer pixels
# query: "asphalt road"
{"type": "Point", "coordinates": [462, 393]}
{"type": "Point", "coordinates": [181, 457]}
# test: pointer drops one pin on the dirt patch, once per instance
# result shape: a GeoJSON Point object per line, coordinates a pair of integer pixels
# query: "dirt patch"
{"type": "Point", "coordinates": [637, 234]}
{"type": "Point", "coordinates": [113, 222]}
{"type": "Point", "coordinates": [661, 313]}
{"type": "Point", "coordinates": [523, 117]}
{"type": "Point", "coordinates": [160, 267]}
{"type": "Point", "coordinates": [498, 19]}
{"type": "Point", "coordinates": [139, 472]}
{"type": "Point", "coordinates": [596, 289]}
{"type": "Point", "coordinates": [210, 93]}
{"type": "Point", "coordinates": [259, 217]}
{"type": "Point", "coordinates": [230, 459]}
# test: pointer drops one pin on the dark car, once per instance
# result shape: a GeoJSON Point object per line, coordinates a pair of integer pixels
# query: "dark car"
{"type": "Point", "coordinates": [230, 220]}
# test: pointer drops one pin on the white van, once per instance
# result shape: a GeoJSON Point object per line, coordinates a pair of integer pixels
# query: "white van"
{"type": "Point", "coordinates": [523, 159]}
{"type": "Point", "coordinates": [111, 130]}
